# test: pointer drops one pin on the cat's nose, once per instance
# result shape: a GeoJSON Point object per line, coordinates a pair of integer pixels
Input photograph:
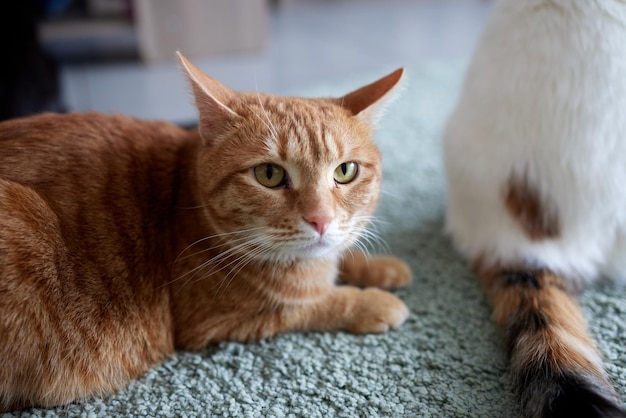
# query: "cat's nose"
{"type": "Point", "coordinates": [319, 223]}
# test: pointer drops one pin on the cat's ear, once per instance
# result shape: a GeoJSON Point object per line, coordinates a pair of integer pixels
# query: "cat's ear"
{"type": "Point", "coordinates": [368, 103]}
{"type": "Point", "coordinates": [212, 100]}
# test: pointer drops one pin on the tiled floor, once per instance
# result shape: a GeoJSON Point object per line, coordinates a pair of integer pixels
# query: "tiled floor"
{"type": "Point", "coordinates": [310, 41]}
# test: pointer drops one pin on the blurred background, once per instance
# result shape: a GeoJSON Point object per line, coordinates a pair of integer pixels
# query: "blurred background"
{"type": "Point", "coordinates": [119, 55]}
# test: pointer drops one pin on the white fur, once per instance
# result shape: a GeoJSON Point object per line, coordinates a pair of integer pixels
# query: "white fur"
{"type": "Point", "coordinates": [545, 97]}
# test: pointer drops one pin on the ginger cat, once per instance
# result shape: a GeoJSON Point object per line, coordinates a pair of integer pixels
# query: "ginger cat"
{"type": "Point", "coordinates": [535, 157]}
{"type": "Point", "coordinates": [122, 240]}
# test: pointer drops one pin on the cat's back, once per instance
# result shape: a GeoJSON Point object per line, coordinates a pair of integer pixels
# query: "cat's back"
{"type": "Point", "coordinates": [545, 73]}
{"type": "Point", "coordinates": [90, 166]}
{"type": "Point", "coordinates": [537, 133]}
{"type": "Point", "coordinates": [37, 146]}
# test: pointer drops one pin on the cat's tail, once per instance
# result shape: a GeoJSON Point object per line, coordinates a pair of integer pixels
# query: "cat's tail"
{"type": "Point", "coordinates": [558, 371]}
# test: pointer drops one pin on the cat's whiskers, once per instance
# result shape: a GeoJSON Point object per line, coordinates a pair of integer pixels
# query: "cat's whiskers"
{"type": "Point", "coordinates": [223, 244]}
{"type": "Point", "coordinates": [245, 246]}
{"type": "Point", "coordinates": [243, 261]}
{"type": "Point", "coordinates": [349, 250]}
{"type": "Point", "coordinates": [362, 248]}
{"type": "Point", "coordinates": [261, 247]}
{"type": "Point", "coordinates": [371, 239]}
{"type": "Point", "coordinates": [238, 251]}
{"type": "Point", "coordinates": [221, 257]}
{"type": "Point", "coordinates": [258, 246]}
{"type": "Point", "coordinates": [375, 239]}
{"type": "Point", "coordinates": [364, 235]}
{"type": "Point", "coordinates": [220, 235]}
{"type": "Point", "coordinates": [375, 221]}
{"type": "Point", "coordinates": [390, 194]}
{"type": "Point", "coordinates": [279, 249]}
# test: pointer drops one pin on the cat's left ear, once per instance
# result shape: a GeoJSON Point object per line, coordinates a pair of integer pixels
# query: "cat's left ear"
{"type": "Point", "coordinates": [368, 103]}
{"type": "Point", "coordinates": [213, 100]}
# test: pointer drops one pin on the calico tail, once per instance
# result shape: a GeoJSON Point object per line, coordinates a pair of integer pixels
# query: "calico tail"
{"type": "Point", "coordinates": [558, 371]}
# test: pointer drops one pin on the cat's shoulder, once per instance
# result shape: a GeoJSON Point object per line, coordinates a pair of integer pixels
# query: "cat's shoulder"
{"type": "Point", "coordinates": [87, 121]}
{"type": "Point", "coordinates": [87, 124]}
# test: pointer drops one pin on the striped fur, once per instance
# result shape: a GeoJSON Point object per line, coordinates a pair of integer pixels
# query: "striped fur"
{"type": "Point", "coordinates": [557, 369]}
{"type": "Point", "coordinates": [122, 240]}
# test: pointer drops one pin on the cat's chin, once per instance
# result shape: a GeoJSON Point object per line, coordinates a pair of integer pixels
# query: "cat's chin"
{"type": "Point", "coordinates": [318, 249]}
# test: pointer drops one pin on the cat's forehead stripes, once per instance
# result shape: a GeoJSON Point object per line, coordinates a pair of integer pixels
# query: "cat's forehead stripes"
{"type": "Point", "coordinates": [309, 137]}
{"type": "Point", "coordinates": [301, 128]}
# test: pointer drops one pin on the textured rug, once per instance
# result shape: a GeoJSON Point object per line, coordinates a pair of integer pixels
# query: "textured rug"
{"type": "Point", "coordinates": [446, 361]}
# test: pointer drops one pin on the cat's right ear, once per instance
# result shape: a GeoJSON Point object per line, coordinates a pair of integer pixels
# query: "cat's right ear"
{"type": "Point", "coordinates": [369, 102]}
{"type": "Point", "coordinates": [212, 100]}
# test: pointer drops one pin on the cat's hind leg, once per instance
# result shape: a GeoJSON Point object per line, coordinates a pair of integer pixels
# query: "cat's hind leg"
{"type": "Point", "coordinates": [56, 345]}
{"type": "Point", "coordinates": [31, 257]}
{"type": "Point", "coordinates": [28, 254]}
{"type": "Point", "coordinates": [557, 369]}
{"type": "Point", "coordinates": [359, 269]}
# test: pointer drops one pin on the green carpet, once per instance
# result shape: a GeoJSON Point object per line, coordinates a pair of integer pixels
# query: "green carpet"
{"type": "Point", "coordinates": [447, 360]}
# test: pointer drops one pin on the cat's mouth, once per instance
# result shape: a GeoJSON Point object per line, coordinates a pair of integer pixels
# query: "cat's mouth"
{"type": "Point", "coordinates": [318, 246]}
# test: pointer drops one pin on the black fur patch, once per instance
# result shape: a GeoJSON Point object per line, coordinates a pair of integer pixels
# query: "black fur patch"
{"type": "Point", "coordinates": [545, 389]}
{"type": "Point", "coordinates": [524, 278]}
{"type": "Point", "coordinates": [526, 321]}
{"type": "Point", "coordinates": [578, 397]}
{"type": "Point", "coordinates": [546, 392]}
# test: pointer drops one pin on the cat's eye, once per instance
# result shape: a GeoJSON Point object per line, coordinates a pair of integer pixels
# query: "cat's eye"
{"type": "Point", "coordinates": [346, 172]}
{"type": "Point", "coordinates": [270, 175]}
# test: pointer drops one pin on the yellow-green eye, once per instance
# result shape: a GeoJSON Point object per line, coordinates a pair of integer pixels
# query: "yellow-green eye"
{"type": "Point", "coordinates": [346, 172]}
{"type": "Point", "coordinates": [270, 175]}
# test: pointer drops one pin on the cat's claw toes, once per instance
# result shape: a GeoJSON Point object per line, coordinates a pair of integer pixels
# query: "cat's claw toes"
{"type": "Point", "coordinates": [378, 311]}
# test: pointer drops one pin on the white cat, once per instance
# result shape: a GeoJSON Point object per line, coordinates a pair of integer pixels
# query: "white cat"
{"type": "Point", "coordinates": [535, 158]}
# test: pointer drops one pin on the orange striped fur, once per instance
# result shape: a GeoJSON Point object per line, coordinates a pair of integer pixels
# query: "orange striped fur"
{"type": "Point", "coordinates": [122, 240]}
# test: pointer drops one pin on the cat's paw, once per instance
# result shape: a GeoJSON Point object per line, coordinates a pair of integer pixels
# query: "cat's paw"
{"type": "Point", "coordinates": [379, 271]}
{"type": "Point", "coordinates": [377, 311]}
{"type": "Point", "coordinates": [389, 272]}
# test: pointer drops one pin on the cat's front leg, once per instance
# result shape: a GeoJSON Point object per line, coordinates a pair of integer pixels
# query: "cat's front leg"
{"type": "Point", "coordinates": [355, 310]}
{"type": "Point", "coordinates": [359, 269]}
{"type": "Point", "coordinates": [346, 308]}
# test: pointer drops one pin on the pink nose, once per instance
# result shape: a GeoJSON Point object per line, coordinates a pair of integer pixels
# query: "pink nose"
{"type": "Point", "coordinates": [319, 223]}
